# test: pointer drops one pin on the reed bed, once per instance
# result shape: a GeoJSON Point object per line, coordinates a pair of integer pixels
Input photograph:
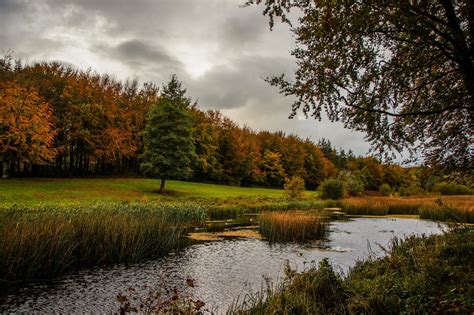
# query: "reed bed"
{"type": "Point", "coordinates": [44, 242]}
{"type": "Point", "coordinates": [229, 211]}
{"type": "Point", "coordinates": [292, 226]}
{"type": "Point", "coordinates": [450, 209]}
{"type": "Point", "coordinates": [446, 208]}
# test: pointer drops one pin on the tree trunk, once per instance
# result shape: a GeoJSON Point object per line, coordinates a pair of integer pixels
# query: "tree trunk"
{"type": "Point", "coordinates": [4, 169]}
{"type": "Point", "coordinates": [162, 186]}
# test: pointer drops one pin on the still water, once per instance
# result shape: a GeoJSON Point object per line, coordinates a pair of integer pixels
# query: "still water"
{"type": "Point", "coordinates": [223, 270]}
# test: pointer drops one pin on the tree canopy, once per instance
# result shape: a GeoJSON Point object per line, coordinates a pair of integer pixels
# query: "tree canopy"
{"type": "Point", "coordinates": [60, 121]}
{"type": "Point", "coordinates": [26, 130]}
{"type": "Point", "coordinates": [168, 142]}
{"type": "Point", "coordinates": [400, 71]}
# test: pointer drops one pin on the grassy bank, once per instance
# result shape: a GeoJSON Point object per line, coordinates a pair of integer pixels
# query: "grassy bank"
{"type": "Point", "coordinates": [420, 275]}
{"type": "Point", "coordinates": [445, 208]}
{"type": "Point", "coordinates": [223, 201]}
{"type": "Point", "coordinates": [46, 241]}
{"type": "Point", "coordinates": [53, 191]}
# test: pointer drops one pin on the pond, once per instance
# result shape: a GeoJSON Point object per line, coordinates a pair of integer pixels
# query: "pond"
{"type": "Point", "coordinates": [223, 269]}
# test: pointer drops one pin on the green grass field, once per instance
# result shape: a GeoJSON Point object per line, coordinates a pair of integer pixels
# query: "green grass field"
{"type": "Point", "coordinates": [54, 191]}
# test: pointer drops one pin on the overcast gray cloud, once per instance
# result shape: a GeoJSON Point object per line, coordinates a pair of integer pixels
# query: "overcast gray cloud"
{"type": "Point", "coordinates": [221, 52]}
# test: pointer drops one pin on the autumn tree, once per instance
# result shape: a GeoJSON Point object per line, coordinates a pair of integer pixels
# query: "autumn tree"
{"type": "Point", "coordinates": [206, 142]}
{"type": "Point", "coordinates": [168, 144]}
{"type": "Point", "coordinates": [26, 128]}
{"type": "Point", "coordinates": [400, 71]}
{"type": "Point", "coordinates": [273, 171]}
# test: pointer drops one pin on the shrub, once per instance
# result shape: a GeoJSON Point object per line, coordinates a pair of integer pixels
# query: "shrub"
{"type": "Point", "coordinates": [452, 189]}
{"type": "Point", "coordinates": [294, 187]}
{"type": "Point", "coordinates": [354, 183]}
{"type": "Point", "coordinates": [411, 190]}
{"type": "Point", "coordinates": [332, 189]}
{"type": "Point", "coordinates": [385, 190]}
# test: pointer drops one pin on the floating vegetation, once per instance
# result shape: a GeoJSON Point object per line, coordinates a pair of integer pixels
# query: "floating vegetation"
{"type": "Point", "coordinates": [218, 236]}
{"type": "Point", "coordinates": [292, 226]}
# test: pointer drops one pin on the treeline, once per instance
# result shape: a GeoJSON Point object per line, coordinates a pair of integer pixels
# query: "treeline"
{"type": "Point", "coordinates": [59, 121]}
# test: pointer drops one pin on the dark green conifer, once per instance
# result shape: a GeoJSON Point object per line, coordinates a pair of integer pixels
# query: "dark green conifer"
{"type": "Point", "coordinates": [168, 143]}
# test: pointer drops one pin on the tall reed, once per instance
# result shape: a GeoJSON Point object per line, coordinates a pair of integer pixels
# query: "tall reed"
{"type": "Point", "coordinates": [447, 212]}
{"type": "Point", "coordinates": [228, 211]}
{"type": "Point", "coordinates": [44, 242]}
{"type": "Point", "coordinates": [381, 206]}
{"type": "Point", "coordinates": [291, 226]}
{"type": "Point", "coordinates": [446, 208]}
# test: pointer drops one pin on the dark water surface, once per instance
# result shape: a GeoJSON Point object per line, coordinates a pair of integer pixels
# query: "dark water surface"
{"type": "Point", "coordinates": [222, 270]}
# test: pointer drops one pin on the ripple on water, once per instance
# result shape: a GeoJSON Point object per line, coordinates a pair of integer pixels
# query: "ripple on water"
{"type": "Point", "coordinates": [222, 270]}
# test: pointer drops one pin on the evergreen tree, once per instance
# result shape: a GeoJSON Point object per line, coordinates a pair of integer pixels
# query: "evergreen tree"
{"type": "Point", "coordinates": [168, 144]}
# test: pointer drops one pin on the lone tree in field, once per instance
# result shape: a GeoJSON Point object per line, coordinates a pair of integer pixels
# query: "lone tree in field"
{"type": "Point", "coordinates": [168, 144]}
{"type": "Point", "coordinates": [400, 71]}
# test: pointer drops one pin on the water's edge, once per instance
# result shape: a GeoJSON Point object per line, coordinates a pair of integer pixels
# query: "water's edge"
{"type": "Point", "coordinates": [223, 270]}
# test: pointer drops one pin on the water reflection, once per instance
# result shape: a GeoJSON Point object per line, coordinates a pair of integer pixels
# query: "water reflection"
{"type": "Point", "coordinates": [223, 270]}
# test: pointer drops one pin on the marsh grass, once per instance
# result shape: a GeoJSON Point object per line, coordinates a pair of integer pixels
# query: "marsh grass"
{"type": "Point", "coordinates": [43, 242]}
{"type": "Point", "coordinates": [446, 208]}
{"type": "Point", "coordinates": [292, 226]}
{"type": "Point", "coordinates": [457, 211]}
{"type": "Point", "coordinates": [234, 208]}
{"type": "Point", "coordinates": [419, 275]}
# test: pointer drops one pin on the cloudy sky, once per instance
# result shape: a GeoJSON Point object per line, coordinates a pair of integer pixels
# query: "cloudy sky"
{"type": "Point", "coordinates": [219, 50]}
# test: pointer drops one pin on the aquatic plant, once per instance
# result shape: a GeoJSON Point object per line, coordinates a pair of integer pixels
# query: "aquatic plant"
{"type": "Point", "coordinates": [446, 208]}
{"type": "Point", "coordinates": [381, 206]}
{"type": "Point", "coordinates": [231, 210]}
{"type": "Point", "coordinates": [442, 211]}
{"type": "Point", "coordinates": [46, 241]}
{"type": "Point", "coordinates": [292, 226]}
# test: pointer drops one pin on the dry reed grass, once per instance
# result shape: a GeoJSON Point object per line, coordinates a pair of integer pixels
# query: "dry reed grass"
{"type": "Point", "coordinates": [292, 226]}
{"type": "Point", "coordinates": [444, 208]}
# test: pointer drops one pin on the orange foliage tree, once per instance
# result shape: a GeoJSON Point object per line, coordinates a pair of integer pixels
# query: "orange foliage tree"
{"type": "Point", "coordinates": [26, 129]}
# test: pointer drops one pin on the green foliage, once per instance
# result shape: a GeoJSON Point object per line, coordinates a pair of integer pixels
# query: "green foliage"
{"type": "Point", "coordinates": [419, 275]}
{"type": "Point", "coordinates": [332, 189]}
{"type": "Point", "coordinates": [46, 241]}
{"type": "Point", "coordinates": [273, 170]}
{"type": "Point", "coordinates": [378, 67]}
{"type": "Point", "coordinates": [452, 189]}
{"type": "Point", "coordinates": [294, 188]}
{"type": "Point", "coordinates": [168, 144]}
{"type": "Point", "coordinates": [354, 182]}
{"type": "Point", "coordinates": [385, 190]}
{"type": "Point", "coordinates": [413, 190]}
